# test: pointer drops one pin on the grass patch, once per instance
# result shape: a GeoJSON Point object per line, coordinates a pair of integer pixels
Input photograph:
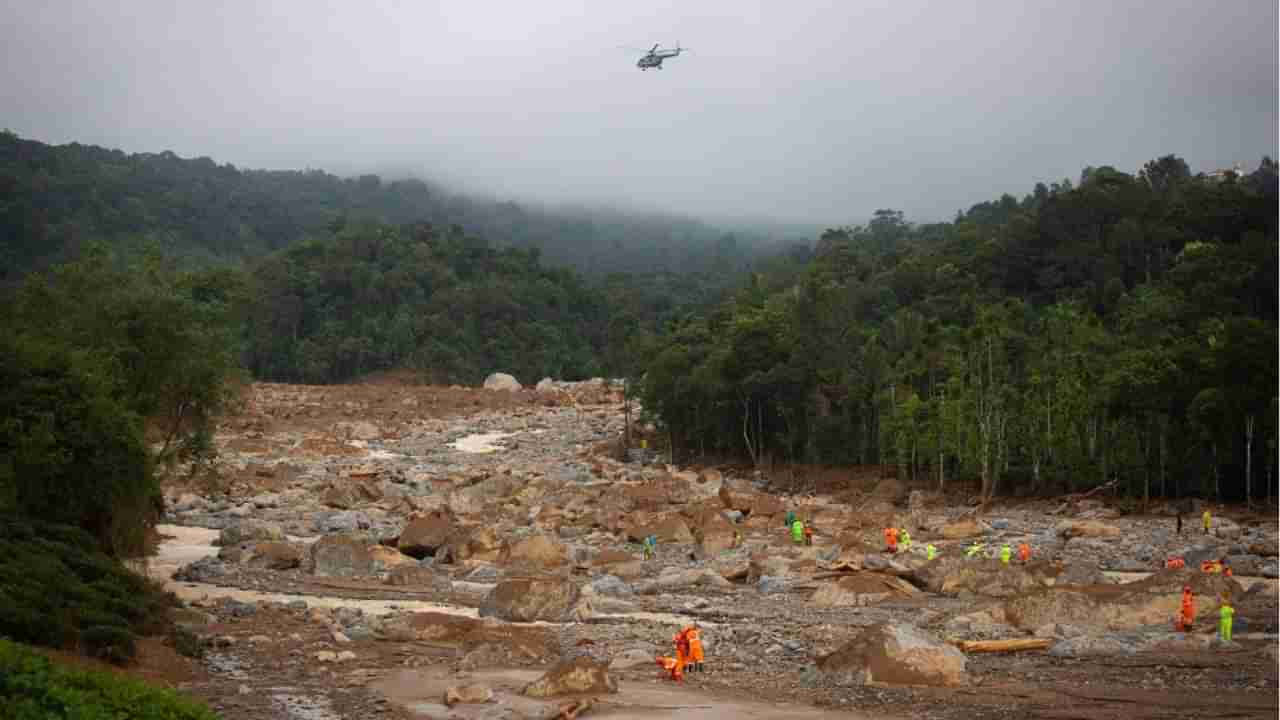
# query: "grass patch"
{"type": "Point", "coordinates": [34, 688]}
{"type": "Point", "coordinates": [59, 590]}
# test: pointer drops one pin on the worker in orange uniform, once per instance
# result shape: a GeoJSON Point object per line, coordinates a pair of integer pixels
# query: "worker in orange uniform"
{"type": "Point", "coordinates": [808, 534]}
{"type": "Point", "coordinates": [1175, 563]}
{"type": "Point", "coordinates": [891, 539]}
{"type": "Point", "coordinates": [1024, 553]}
{"type": "Point", "coordinates": [682, 655]}
{"type": "Point", "coordinates": [695, 648]}
{"type": "Point", "coordinates": [1188, 609]}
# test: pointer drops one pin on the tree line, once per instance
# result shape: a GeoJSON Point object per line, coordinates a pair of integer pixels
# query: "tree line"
{"type": "Point", "coordinates": [56, 199]}
{"type": "Point", "coordinates": [1121, 329]}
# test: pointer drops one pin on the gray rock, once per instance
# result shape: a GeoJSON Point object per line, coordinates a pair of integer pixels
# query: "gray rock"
{"type": "Point", "coordinates": [297, 605]}
{"type": "Point", "coordinates": [347, 616]}
{"type": "Point", "coordinates": [1094, 646]}
{"type": "Point", "coordinates": [793, 645]}
{"type": "Point", "coordinates": [733, 516]}
{"type": "Point", "coordinates": [611, 585]}
{"type": "Point", "coordinates": [1000, 524]}
{"type": "Point", "coordinates": [359, 631]}
{"type": "Point", "coordinates": [203, 570]}
{"type": "Point", "coordinates": [770, 585]}
{"type": "Point", "coordinates": [236, 608]}
{"type": "Point", "coordinates": [1245, 564]}
{"type": "Point", "coordinates": [482, 574]}
{"type": "Point", "coordinates": [338, 521]}
{"type": "Point", "coordinates": [1270, 570]}
{"type": "Point", "coordinates": [250, 531]}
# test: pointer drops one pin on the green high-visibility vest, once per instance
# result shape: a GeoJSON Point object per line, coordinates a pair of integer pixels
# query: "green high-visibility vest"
{"type": "Point", "coordinates": [797, 531]}
{"type": "Point", "coordinates": [931, 551]}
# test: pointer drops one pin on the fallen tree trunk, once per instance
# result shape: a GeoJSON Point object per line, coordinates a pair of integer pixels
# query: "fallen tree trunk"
{"type": "Point", "coordinates": [981, 646]}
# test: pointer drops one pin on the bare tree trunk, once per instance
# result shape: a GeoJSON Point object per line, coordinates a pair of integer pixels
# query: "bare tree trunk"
{"type": "Point", "coordinates": [1217, 484]}
{"type": "Point", "coordinates": [1248, 459]}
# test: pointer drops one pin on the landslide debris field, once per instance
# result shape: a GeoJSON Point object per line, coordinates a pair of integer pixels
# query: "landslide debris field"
{"type": "Point", "coordinates": [389, 550]}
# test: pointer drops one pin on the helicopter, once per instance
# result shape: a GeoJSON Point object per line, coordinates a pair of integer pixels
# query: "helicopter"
{"type": "Point", "coordinates": [655, 56]}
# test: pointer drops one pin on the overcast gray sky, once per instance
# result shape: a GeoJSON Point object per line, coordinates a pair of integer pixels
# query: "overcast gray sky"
{"type": "Point", "coordinates": [803, 110]}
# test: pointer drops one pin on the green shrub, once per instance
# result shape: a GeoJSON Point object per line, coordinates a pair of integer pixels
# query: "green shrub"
{"type": "Point", "coordinates": [34, 688]}
{"type": "Point", "coordinates": [109, 642]}
{"type": "Point", "coordinates": [56, 584]}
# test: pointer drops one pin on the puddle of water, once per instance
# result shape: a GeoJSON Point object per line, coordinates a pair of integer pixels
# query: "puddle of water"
{"type": "Point", "coordinates": [480, 443]}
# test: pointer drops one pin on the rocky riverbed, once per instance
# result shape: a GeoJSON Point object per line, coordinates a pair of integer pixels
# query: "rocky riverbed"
{"type": "Point", "coordinates": [357, 544]}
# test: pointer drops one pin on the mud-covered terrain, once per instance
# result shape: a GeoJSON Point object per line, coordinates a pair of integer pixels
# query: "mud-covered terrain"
{"type": "Point", "coordinates": [375, 550]}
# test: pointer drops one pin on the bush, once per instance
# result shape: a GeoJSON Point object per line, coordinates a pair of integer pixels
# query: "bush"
{"type": "Point", "coordinates": [34, 688]}
{"type": "Point", "coordinates": [109, 642]}
{"type": "Point", "coordinates": [56, 585]}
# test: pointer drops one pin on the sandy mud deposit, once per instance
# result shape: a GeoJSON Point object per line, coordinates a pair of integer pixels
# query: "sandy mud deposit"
{"type": "Point", "coordinates": [392, 550]}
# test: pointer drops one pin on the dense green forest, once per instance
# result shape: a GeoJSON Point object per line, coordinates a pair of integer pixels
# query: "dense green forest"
{"type": "Point", "coordinates": [54, 199]}
{"type": "Point", "coordinates": [1119, 329]}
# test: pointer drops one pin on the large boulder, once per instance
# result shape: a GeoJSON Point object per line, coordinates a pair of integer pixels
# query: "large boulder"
{"type": "Point", "coordinates": [952, 575]}
{"type": "Point", "coordinates": [343, 555]}
{"type": "Point", "coordinates": [531, 599]}
{"type": "Point", "coordinates": [1153, 601]}
{"type": "Point", "coordinates": [581, 675]}
{"type": "Point", "coordinates": [501, 381]}
{"type": "Point", "coordinates": [715, 534]}
{"type": "Point", "coordinates": [277, 555]}
{"type": "Point", "coordinates": [416, 576]}
{"type": "Point", "coordinates": [537, 552]}
{"type": "Point", "coordinates": [340, 495]}
{"type": "Point", "coordinates": [1069, 529]}
{"type": "Point", "coordinates": [340, 521]}
{"type": "Point", "coordinates": [383, 558]}
{"type": "Point", "coordinates": [480, 543]}
{"type": "Point", "coordinates": [250, 531]}
{"type": "Point", "coordinates": [859, 589]}
{"type": "Point", "coordinates": [670, 529]}
{"type": "Point", "coordinates": [425, 534]}
{"type": "Point", "coordinates": [961, 529]}
{"type": "Point", "coordinates": [897, 654]}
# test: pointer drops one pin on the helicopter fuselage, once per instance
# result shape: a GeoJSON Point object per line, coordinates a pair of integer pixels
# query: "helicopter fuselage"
{"type": "Point", "coordinates": [655, 57]}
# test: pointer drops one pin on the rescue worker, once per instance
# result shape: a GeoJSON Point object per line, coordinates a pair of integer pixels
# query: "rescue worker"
{"type": "Point", "coordinates": [1175, 563]}
{"type": "Point", "coordinates": [648, 545]}
{"type": "Point", "coordinates": [904, 539]}
{"type": "Point", "coordinates": [681, 640]}
{"type": "Point", "coordinates": [1006, 552]}
{"type": "Point", "coordinates": [808, 535]}
{"type": "Point", "coordinates": [797, 531]}
{"type": "Point", "coordinates": [891, 540]}
{"type": "Point", "coordinates": [1226, 616]}
{"type": "Point", "coordinates": [1188, 609]}
{"type": "Point", "coordinates": [930, 551]}
{"type": "Point", "coordinates": [695, 649]}
{"type": "Point", "coordinates": [1179, 521]}
{"type": "Point", "coordinates": [1226, 567]}
{"type": "Point", "coordinates": [973, 550]}
{"type": "Point", "coordinates": [669, 665]}
{"type": "Point", "coordinates": [791, 517]}
{"type": "Point", "coordinates": [737, 538]}
{"type": "Point", "coordinates": [1207, 520]}
{"type": "Point", "coordinates": [1024, 553]}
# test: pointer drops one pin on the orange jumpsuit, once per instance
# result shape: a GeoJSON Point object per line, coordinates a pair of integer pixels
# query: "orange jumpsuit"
{"type": "Point", "coordinates": [695, 645]}
{"type": "Point", "coordinates": [891, 539]}
{"type": "Point", "coordinates": [1188, 610]}
{"type": "Point", "coordinates": [1175, 563]}
{"type": "Point", "coordinates": [682, 655]}
{"type": "Point", "coordinates": [1024, 552]}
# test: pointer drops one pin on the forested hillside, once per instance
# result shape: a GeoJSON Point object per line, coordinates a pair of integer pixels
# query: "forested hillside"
{"type": "Point", "coordinates": [53, 199]}
{"type": "Point", "coordinates": [1120, 329]}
